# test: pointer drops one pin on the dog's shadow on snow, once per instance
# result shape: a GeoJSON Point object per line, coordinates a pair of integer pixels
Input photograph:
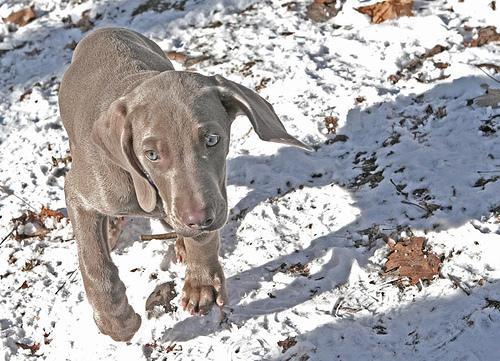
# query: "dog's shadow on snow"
{"type": "Point", "coordinates": [406, 157]}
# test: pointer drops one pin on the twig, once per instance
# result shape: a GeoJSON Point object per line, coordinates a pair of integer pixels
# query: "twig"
{"type": "Point", "coordinates": [399, 189]}
{"type": "Point", "coordinates": [495, 67]}
{"type": "Point", "coordinates": [8, 235]}
{"type": "Point", "coordinates": [488, 171]}
{"type": "Point", "coordinates": [69, 274]}
{"type": "Point", "coordinates": [416, 205]}
{"type": "Point", "coordinates": [9, 193]}
{"type": "Point", "coordinates": [456, 281]}
{"type": "Point", "coordinates": [149, 237]}
{"type": "Point", "coordinates": [488, 75]}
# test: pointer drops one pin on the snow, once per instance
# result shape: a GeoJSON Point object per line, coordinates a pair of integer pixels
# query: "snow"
{"type": "Point", "coordinates": [287, 205]}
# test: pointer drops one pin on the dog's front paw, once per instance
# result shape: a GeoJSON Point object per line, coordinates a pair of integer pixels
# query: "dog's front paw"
{"type": "Point", "coordinates": [202, 288]}
{"type": "Point", "coordinates": [119, 328]}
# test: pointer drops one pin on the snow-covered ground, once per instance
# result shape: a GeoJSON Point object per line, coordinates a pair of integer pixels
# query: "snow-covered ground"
{"type": "Point", "coordinates": [420, 157]}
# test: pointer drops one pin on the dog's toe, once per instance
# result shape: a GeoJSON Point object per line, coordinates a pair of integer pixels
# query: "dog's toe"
{"type": "Point", "coordinates": [198, 300]}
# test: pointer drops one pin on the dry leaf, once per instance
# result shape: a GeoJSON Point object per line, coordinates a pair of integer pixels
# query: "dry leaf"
{"type": "Point", "coordinates": [47, 213]}
{"type": "Point", "coordinates": [387, 10]}
{"type": "Point", "coordinates": [321, 10]}
{"type": "Point", "coordinates": [408, 258]}
{"type": "Point", "coordinates": [33, 348]}
{"type": "Point", "coordinates": [485, 35]}
{"type": "Point", "coordinates": [25, 94]}
{"type": "Point", "coordinates": [162, 295]}
{"type": "Point", "coordinates": [287, 343]}
{"type": "Point", "coordinates": [299, 269]}
{"type": "Point", "coordinates": [263, 83]}
{"type": "Point", "coordinates": [24, 286]}
{"type": "Point", "coordinates": [331, 124]}
{"type": "Point", "coordinates": [21, 17]}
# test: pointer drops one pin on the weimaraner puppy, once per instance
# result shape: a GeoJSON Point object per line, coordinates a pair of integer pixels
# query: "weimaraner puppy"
{"type": "Point", "coordinates": [150, 141]}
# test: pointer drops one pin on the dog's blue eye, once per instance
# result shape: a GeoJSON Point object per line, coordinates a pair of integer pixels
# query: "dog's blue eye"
{"type": "Point", "coordinates": [211, 139]}
{"type": "Point", "coordinates": [151, 155]}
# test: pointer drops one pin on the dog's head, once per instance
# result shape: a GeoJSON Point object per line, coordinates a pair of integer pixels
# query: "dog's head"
{"type": "Point", "coordinates": [171, 134]}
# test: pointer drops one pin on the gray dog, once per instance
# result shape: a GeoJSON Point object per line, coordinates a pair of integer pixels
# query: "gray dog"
{"type": "Point", "coordinates": [150, 141]}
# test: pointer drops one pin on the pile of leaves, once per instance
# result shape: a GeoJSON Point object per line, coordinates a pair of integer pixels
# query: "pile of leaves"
{"type": "Point", "coordinates": [411, 262]}
{"type": "Point", "coordinates": [37, 220]}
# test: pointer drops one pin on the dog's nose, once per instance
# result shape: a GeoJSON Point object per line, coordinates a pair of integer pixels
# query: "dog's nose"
{"type": "Point", "coordinates": [199, 218]}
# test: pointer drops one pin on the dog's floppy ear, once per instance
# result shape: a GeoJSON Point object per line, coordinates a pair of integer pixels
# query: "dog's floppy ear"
{"type": "Point", "coordinates": [112, 133]}
{"type": "Point", "coordinates": [239, 99]}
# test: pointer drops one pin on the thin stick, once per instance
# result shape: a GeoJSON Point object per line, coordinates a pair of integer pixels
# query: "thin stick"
{"type": "Point", "coordinates": [69, 274]}
{"type": "Point", "coordinates": [488, 75]}
{"type": "Point", "coordinates": [9, 193]}
{"type": "Point", "coordinates": [415, 204]}
{"type": "Point", "coordinates": [149, 237]}
{"type": "Point", "coordinates": [398, 189]}
{"type": "Point", "coordinates": [456, 281]}
{"type": "Point", "coordinates": [7, 236]}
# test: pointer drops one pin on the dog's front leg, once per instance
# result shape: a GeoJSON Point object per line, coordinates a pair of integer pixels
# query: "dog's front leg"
{"type": "Point", "coordinates": [105, 291]}
{"type": "Point", "coordinates": [205, 281]}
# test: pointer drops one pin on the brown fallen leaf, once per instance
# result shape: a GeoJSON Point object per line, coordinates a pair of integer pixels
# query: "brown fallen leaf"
{"type": "Point", "coordinates": [331, 124]}
{"type": "Point", "coordinates": [321, 10]}
{"type": "Point", "coordinates": [162, 295]}
{"type": "Point", "coordinates": [410, 259]}
{"type": "Point", "coordinates": [30, 264]}
{"type": "Point", "coordinates": [24, 286]}
{"type": "Point", "coordinates": [263, 83]}
{"type": "Point", "coordinates": [485, 35]}
{"type": "Point", "coordinates": [299, 269]}
{"type": "Point", "coordinates": [46, 339]}
{"type": "Point", "coordinates": [387, 10]}
{"type": "Point", "coordinates": [47, 213]}
{"type": "Point", "coordinates": [360, 99]}
{"type": "Point", "coordinates": [25, 94]}
{"type": "Point", "coordinates": [33, 348]}
{"type": "Point", "coordinates": [441, 65]}
{"type": "Point", "coordinates": [287, 343]}
{"type": "Point", "coordinates": [22, 17]}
